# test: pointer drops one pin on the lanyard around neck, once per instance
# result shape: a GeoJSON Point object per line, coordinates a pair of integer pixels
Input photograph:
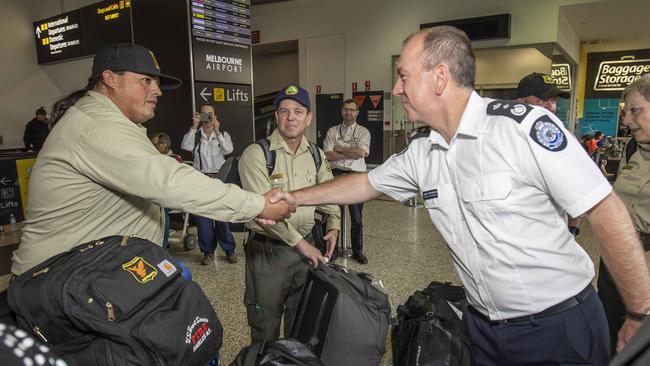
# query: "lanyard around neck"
{"type": "Point", "coordinates": [353, 132]}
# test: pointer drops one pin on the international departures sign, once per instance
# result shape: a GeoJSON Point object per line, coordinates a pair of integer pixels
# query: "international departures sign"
{"type": "Point", "coordinates": [81, 32]}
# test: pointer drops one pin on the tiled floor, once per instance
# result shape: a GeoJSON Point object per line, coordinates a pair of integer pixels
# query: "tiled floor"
{"type": "Point", "coordinates": [404, 250]}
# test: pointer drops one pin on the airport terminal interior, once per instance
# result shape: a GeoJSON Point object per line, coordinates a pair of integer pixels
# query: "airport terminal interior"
{"type": "Point", "coordinates": [336, 50]}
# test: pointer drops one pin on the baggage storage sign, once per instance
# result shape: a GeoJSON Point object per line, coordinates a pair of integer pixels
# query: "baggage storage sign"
{"type": "Point", "coordinates": [616, 75]}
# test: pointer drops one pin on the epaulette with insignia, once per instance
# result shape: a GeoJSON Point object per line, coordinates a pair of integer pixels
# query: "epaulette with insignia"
{"type": "Point", "coordinates": [547, 134]}
{"type": "Point", "coordinates": [509, 108]}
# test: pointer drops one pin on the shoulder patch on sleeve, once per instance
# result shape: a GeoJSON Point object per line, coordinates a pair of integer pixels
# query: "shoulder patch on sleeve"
{"type": "Point", "coordinates": [547, 134]}
{"type": "Point", "coordinates": [509, 108]}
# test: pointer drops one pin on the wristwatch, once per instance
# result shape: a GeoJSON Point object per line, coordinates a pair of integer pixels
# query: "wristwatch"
{"type": "Point", "coordinates": [574, 230]}
{"type": "Point", "coordinates": [639, 317]}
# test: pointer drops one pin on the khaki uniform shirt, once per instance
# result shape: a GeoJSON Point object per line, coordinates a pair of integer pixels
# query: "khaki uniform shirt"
{"type": "Point", "coordinates": [99, 175]}
{"type": "Point", "coordinates": [633, 186]}
{"type": "Point", "coordinates": [300, 173]}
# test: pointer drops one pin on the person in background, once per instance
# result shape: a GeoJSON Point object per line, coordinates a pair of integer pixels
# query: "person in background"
{"type": "Point", "coordinates": [163, 143]}
{"type": "Point", "coordinates": [633, 186]}
{"type": "Point", "coordinates": [540, 89]}
{"type": "Point", "coordinates": [493, 175]}
{"type": "Point", "coordinates": [277, 255]}
{"type": "Point", "coordinates": [99, 175]}
{"type": "Point", "coordinates": [346, 146]}
{"type": "Point", "coordinates": [210, 145]}
{"type": "Point", "coordinates": [36, 131]}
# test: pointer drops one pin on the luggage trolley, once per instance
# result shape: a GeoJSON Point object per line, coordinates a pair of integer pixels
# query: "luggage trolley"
{"type": "Point", "coordinates": [188, 240]}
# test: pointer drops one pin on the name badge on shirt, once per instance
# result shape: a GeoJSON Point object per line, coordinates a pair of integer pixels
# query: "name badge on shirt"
{"type": "Point", "coordinates": [430, 194]}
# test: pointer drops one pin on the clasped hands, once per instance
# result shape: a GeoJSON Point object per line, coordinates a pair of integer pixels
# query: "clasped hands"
{"type": "Point", "coordinates": [278, 205]}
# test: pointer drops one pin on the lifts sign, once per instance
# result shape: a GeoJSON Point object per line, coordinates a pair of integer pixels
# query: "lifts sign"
{"type": "Point", "coordinates": [616, 75]}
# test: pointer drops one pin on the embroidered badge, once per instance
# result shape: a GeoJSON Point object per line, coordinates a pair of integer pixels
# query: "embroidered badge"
{"type": "Point", "coordinates": [291, 90]}
{"type": "Point", "coordinates": [547, 134]}
{"type": "Point", "coordinates": [142, 271]}
{"type": "Point", "coordinates": [167, 267]}
{"type": "Point", "coordinates": [197, 332]}
{"type": "Point", "coordinates": [507, 108]}
{"type": "Point", "coordinates": [430, 194]}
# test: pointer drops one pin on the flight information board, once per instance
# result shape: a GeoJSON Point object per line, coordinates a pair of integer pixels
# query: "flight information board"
{"type": "Point", "coordinates": [83, 31]}
{"type": "Point", "coordinates": [221, 40]}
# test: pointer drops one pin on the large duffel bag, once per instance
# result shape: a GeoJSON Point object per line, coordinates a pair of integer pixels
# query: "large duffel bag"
{"type": "Point", "coordinates": [117, 301]}
{"type": "Point", "coordinates": [343, 317]}
{"type": "Point", "coordinates": [429, 329]}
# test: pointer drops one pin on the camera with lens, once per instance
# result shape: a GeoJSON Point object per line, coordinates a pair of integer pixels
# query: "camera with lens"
{"type": "Point", "coordinates": [205, 117]}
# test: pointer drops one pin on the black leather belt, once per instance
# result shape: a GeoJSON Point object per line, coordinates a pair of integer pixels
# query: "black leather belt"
{"type": "Point", "coordinates": [266, 239]}
{"type": "Point", "coordinates": [555, 309]}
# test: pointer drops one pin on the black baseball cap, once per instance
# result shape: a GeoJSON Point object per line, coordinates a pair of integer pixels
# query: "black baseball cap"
{"type": "Point", "coordinates": [296, 93]}
{"type": "Point", "coordinates": [540, 85]}
{"type": "Point", "coordinates": [134, 58]}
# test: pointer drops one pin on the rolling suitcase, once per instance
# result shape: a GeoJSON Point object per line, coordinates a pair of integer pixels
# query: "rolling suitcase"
{"type": "Point", "coordinates": [343, 317]}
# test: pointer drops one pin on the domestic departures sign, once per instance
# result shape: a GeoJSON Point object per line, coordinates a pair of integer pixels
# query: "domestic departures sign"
{"type": "Point", "coordinates": [81, 32]}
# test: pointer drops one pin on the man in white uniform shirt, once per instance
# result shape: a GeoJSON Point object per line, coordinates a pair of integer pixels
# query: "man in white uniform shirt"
{"type": "Point", "coordinates": [346, 147]}
{"type": "Point", "coordinates": [210, 145]}
{"type": "Point", "coordinates": [498, 179]}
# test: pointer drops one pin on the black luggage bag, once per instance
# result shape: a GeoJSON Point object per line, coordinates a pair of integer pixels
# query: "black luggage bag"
{"type": "Point", "coordinates": [117, 301]}
{"type": "Point", "coordinates": [343, 317]}
{"type": "Point", "coordinates": [429, 330]}
{"type": "Point", "coordinates": [283, 352]}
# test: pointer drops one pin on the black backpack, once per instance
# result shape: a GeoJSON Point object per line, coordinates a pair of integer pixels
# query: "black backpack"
{"type": "Point", "coordinates": [428, 331]}
{"type": "Point", "coordinates": [119, 300]}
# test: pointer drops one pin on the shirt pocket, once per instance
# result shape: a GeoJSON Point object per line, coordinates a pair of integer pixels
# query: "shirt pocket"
{"type": "Point", "coordinates": [487, 196]}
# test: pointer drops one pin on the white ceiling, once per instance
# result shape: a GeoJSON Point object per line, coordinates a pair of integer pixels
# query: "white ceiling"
{"type": "Point", "coordinates": [611, 21]}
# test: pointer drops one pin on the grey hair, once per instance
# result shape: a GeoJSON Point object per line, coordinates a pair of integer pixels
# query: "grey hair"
{"type": "Point", "coordinates": [451, 45]}
{"type": "Point", "coordinates": [640, 85]}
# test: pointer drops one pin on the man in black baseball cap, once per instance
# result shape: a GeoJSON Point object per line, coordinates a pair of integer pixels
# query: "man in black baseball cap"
{"type": "Point", "coordinates": [98, 173]}
{"type": "Point", "coordinates": [540, 89]}
{"type": "Point", "coordinates": [133, 58]}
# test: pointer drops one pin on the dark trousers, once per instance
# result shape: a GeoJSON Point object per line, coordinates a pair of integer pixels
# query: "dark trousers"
{"type": "Point", "coordinates": [275, 276]}
{"type": "Point", "coordinates": [356, 220]}
{"type": "Point", "coordinates": [577, 336]}
{"type": "Point", "coordinates": [212, 231]}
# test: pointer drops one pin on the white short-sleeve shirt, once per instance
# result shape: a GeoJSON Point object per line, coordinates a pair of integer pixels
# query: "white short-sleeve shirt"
{"type": "Point", "coordinates": [354, 135]}
{"type": "Point", "coordinates": [499, 194]}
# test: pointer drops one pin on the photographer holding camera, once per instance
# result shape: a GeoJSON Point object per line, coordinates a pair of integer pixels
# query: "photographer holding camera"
{"type": "Point", "coordinates": [210, 145]}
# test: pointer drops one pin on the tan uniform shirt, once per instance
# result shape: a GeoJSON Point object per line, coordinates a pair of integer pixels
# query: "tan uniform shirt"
{"type": "Point", "coordinates": [633, 186]}
{"type": "Point", "coordinates": [99, 175]}
{"type": "Point", "coordinates": [300, 171]}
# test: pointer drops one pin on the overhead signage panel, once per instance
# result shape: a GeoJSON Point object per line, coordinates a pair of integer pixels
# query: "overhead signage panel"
{"type": "Point", "coordinates": [221, 40]}
{"type": "Point", "coordinates": [616, 75]}
{"type": "Point", "coordinates": [562, 75]}
{"type": "Point", "coordinates": [81, 32]}
{"type": "Point", "coordinates": [608, 73]}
